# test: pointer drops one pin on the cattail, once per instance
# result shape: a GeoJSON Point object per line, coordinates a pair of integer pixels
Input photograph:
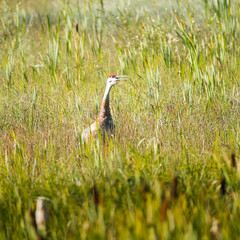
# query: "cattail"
{"type": "Point", "coordinates": [233, 160]}
{"type": "Point", "coordinates": [223, 185]}
{"type": "Point", "coordinates": [76, 27]}
{"type": "Point", "coordinates": [96, 198]}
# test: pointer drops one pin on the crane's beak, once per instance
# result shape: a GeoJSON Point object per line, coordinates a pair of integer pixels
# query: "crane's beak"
{"type": "Point", "coordinates": [122, 78]}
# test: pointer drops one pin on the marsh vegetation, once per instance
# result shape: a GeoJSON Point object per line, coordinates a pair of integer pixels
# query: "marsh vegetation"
{"type": "Point", "coordinates": [171, 172]}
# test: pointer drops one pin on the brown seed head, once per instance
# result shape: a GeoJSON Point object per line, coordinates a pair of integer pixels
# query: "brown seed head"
{"type": "Point", "coordinates": [223, 185]}
{"type": "Point", "coordinates": [233, 160]}
{"type": "Point", "coordinates": [76, 27]}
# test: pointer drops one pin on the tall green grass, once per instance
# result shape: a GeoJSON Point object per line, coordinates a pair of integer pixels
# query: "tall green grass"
{"type": "Point", "coordinates": [171, 171]}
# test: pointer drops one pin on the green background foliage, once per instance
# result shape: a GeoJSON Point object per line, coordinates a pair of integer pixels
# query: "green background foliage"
{"type": "Point", "coordinates": [171, 172]}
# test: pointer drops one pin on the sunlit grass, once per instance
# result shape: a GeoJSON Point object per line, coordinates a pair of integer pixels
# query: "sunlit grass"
{"type": "Point", "coordinates": [171, 172]}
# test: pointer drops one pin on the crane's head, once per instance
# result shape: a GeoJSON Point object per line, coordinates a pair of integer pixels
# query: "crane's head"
{"type": "Point", "coordinates": [113, 79]}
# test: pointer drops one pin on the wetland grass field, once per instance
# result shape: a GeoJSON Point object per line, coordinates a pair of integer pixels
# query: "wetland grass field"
{"type": "Point", "coordinates": [172, 171]}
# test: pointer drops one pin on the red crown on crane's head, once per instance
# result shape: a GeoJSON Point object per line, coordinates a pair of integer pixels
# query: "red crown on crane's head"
{"type": "Point", "coordinates": [112, 76]}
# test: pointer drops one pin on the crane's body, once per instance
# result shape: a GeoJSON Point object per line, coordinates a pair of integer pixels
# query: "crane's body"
{"type": "Point", "coordinates": [104, 121]}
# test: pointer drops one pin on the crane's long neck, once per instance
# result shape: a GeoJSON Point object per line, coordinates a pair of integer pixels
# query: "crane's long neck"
{"type": "Point", "coordinates": [105, 110]}
{"type": "Point", "coordinates": [105, 102]}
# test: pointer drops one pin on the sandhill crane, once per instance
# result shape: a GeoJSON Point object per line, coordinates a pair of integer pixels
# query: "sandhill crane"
{"type": "Point", "coordinates": [104, 121]}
